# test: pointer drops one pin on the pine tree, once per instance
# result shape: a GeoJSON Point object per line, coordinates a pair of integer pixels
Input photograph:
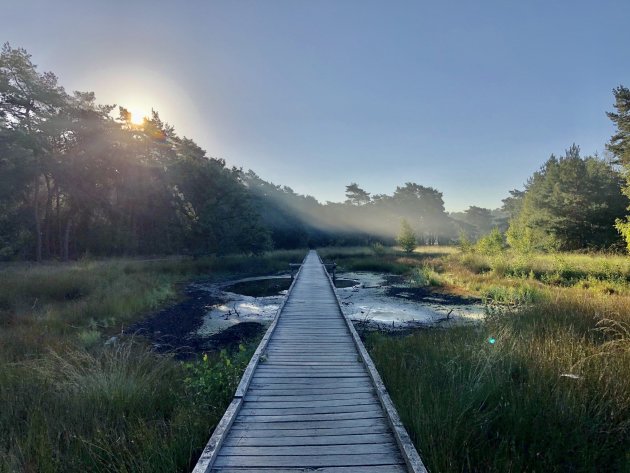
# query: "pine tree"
{"type": "Point", "coordinates": [620, 147]}
{"type": "Point", "coordinates": [406, 237]}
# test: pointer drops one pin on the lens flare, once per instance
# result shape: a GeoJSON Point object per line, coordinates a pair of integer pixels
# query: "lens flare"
{"type": "Point", "coordinates": [137, 117]}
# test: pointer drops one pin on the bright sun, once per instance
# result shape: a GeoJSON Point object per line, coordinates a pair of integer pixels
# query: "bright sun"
{"type": "Point", "coordinates": [137, 117]}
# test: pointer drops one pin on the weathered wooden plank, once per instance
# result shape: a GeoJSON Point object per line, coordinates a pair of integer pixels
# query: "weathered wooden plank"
{"type": "Point", "coordinates": [261, 419]}
{"type": "Point", "coordinates": [309, 402]}
{"type": "Point", "coordinates": [295, 382]}
{"type": "Point", "coordinates": [335, 469]}
{"type": "Point", "coordinates": [348, 371]}
{"type": "Point", "coordinates": [236, 440]}
{"type": "Point", "coordinates": [263, 367]}
{"type": "Point", "coordinates": [358, 460]}
{"type": "Point", "coordinates": [323, 450]}
{"type": "Point", "coordinates": [311, 361]}
{"type": "Point", "coordinates": [307, 350]}
{"type": "Point", "coordinates": [407, 448]}
{"type": "Point", "coordinates": [287, 412]}
{"type": "Point", "coordinates": [311, 398]}
{"type": "Point", "coordinates": [307, 329]}
{"type": "Point", "coordinates": [306, 358]}
{"type": "Point", "coordinates": [271, 367]}
{"type": "Point", "coordinates": [253, 424]}
{"type": "Point", "coordinates": [318, 390]}
{"type": "Point", "coordinates": [277, 367]}
{"type": "Point", "coordinates": [375, 428]}
{"type": "Point", "coordinates": [209, 454]}
{"type": "Point", "coordinates": [312, 378]}
{"type": "Point", "coordinates": [309, 355]}
{"type": "Point", "coordinates": [292, 345]}
{"type": "Point", "coordinates": [314, 386]}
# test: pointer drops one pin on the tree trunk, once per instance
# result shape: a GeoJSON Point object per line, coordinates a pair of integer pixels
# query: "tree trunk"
{"type": "Point", "coordinates": [66, 240]}
{"type": "Point", "coordinates": [38, 225]}
{"type": "Point", "coordinates": [58, 218]}
{"type": "Point", "coordinates": [48, 216]}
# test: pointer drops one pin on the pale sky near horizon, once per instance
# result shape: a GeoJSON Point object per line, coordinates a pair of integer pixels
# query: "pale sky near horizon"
{"type": "Point", "coordinates": [467, 97]}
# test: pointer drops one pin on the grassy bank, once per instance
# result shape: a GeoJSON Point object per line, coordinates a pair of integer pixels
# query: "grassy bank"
{"type": "Point", "coordinates": [382, 259]}
{"type": "Point", "coordinates": [542, 385]}
{"type": "Point", "coordinates": [72, 403]}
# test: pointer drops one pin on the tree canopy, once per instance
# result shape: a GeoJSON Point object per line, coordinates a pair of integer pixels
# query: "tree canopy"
{"type": "Point", "coordinates": [75, 179]}
{"type": "Point", "coordinates": [620, 147]}
{"type": "Point", "coordinates": [570, 203]}
{"type": "Point", "coordinates": [79, 177]}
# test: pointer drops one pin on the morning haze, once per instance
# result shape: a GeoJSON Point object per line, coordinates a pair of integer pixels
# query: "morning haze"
{"type": "Point", "coordinates": [334, 236]}
{"type": "Point", "coordinates": [467, 97]}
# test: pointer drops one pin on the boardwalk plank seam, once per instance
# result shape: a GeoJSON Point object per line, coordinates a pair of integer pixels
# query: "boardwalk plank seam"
{"type": "Point", "coordinates": [209, 453]}
{"type": "Point", "coordinates": [410, 454]}
{"type": "Point", "coordinates": [314, 400]}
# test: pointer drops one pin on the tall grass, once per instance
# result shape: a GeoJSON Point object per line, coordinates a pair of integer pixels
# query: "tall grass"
{"type": "Point", "coordinates": [383, 260]}
{"type": "Point", "coordinates": [70, 403]}
{"type": "Point", "coordinates": [121, 408]}
{"type": "Point", "coordinates": [544, 389]}
{"type": "Point", "coordinates": [556, 269]}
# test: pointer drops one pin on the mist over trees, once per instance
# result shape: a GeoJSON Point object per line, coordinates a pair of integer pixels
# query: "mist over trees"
{"type": "Point", "coordinates": [73, 179]}
{"type": "Point", "coordinates": [81, 178]}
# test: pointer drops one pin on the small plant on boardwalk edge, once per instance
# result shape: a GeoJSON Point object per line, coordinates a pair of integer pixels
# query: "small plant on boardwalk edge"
{"type": "Point", "coordinates": [213, 380]}
{"type": "Point", "coordinates": [406, 237]}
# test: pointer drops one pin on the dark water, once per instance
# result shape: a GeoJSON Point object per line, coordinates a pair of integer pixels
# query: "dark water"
{"type": "Point", "coordinates": [260, 287]}
{"type": "Point", "coordinates": [273, 286]}
{"type": "Point", "coordinates": [341, 283]}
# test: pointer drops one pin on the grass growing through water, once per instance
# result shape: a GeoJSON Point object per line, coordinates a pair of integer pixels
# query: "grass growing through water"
{"type": "Point", "coordinates": [68, 403]}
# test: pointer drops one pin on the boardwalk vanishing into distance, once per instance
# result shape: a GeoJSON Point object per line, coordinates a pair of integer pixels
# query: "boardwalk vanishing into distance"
{"type": "Point", "coordinates": [310, 398]}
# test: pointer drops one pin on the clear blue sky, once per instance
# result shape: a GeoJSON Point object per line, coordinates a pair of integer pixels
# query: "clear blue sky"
{"type": "Point", "coordinates": [469, 97]}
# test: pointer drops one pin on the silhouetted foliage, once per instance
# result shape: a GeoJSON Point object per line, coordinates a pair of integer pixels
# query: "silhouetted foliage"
{"type": "Point", "coordinates": [75, 180]}
{"type": "Point", "coordinates": [356, 195]}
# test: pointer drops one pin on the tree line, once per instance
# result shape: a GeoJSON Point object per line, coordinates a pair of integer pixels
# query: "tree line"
{"type": "Point", "coordinates": [78, 177]}
{"type": "Point", "coordinates": [75, 179]}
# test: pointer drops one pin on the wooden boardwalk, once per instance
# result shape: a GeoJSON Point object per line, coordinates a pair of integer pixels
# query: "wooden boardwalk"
{"type": "Point", "coordinates": [310, 399]}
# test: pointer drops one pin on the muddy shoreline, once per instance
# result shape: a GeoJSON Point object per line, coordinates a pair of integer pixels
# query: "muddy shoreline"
{"type": "Point", "coordinates": [214, 316]}
{"type": "Point", "coordinates": [173, 329]}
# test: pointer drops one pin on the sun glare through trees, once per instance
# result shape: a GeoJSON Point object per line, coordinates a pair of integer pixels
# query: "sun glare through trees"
{"type": "Point", "coordinates": [461, 168]}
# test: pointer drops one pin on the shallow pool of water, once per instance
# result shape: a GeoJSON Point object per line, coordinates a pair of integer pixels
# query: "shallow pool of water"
{"type": "Point", "coordinates": [364, 298]}
{"type": "Point", "coordinates": [369, 303]}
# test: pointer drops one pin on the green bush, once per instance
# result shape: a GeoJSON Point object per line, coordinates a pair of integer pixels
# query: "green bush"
{"type": "Point", "coordinates": [213, 380]}
{"type": "Point", "coordinates": [406, 238]}
{"type": "Point", "coordinates": [491, 244]}
{"type": "Point", "coordinates": [424, 276]}
{"type": "Point", "coordinates": [520, 239]}
{"type": "Point", "coordinates": [623, 227]}
{"type": "Point", "coordinates": [464, 243]}
{"type": "Point", "coordinates": [378, 248]}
